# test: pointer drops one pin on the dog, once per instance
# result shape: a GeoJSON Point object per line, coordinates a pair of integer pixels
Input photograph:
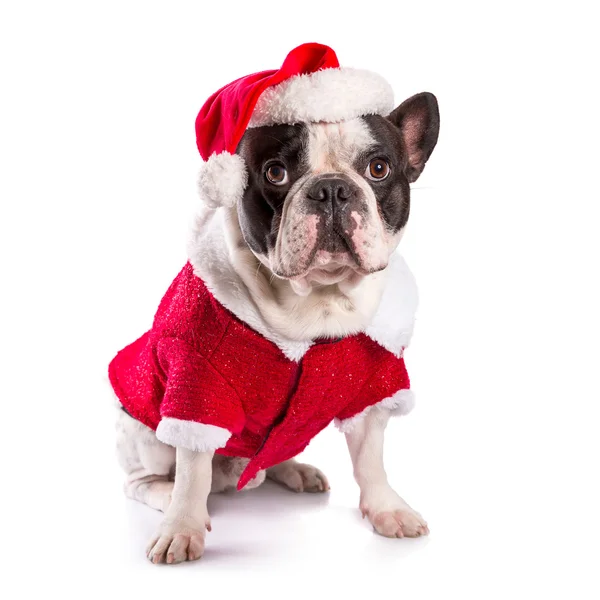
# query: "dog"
{"type": "Point", "coordinates": [305, 260]}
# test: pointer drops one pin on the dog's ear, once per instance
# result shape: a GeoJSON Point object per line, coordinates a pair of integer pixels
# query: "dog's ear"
{"type": "Point", "coordinates": [418, 119]}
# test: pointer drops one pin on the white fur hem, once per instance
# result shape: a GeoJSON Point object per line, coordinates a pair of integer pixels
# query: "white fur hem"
{"type": "Point", "coordinates": [191, 435]}
{"type": "Point", "coordinates": [329, 95]}
{"type": "Point", "coordinates": [401, 403]}
{"type": "Point", "coordinates": [222, 180]}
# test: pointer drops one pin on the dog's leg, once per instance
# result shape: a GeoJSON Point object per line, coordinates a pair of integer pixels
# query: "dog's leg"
{"type": "Point", "coordinates": [388, 513]}
{"type": "Point", "coordinates": [147, 462]}
{"type": "Point", "coordinates": [299, 477]}
{"type": "Point", "coordinates": [181, 534]}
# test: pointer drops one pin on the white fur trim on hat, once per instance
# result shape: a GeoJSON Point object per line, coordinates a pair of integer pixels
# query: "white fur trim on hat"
{"type": "Point", "coordinates": [401, 403]}
{"type": "Point", "coordinates": [191, 435]}
{"type": "Point", "coordinates": [329, 95]}
{"type": "Point", "coordinates": [222, 180]}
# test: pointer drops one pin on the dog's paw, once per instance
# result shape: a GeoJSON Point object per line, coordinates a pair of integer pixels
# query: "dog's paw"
{"type": "Point", "coordinates": [177, 542]}
{"type": "Point", "coordinates": [390, 515]}
{"type": "Point", "coordinates": [399, 523]}
{"type": "Point", "coordinates": [299, 477]}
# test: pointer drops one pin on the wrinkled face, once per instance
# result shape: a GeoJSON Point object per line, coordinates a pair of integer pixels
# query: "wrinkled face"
{"type": "Point", "coordinates": [326, 202]}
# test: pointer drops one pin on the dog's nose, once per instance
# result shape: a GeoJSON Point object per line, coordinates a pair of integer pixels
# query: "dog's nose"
{"type": "Point", "coordinates": [330, 189]}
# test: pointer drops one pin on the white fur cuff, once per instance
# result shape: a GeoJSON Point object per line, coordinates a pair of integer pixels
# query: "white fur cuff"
{"type": "Point", "coordinates": [222, 180]}
{"type": "Point", "coordinates": [401, 403]}
{"type": "Point", "coordinates": [191, 435]}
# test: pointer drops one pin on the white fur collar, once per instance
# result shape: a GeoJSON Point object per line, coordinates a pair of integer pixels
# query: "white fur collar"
{"type": "Point", "coordinates": [209, 254]}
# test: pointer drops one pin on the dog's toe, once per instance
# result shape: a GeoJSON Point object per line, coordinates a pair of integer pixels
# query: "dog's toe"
{"type": "Point", "coordinates": [157, 549]}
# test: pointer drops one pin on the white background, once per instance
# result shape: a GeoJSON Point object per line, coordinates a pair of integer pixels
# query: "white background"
{"type": "Point", "coordinates": [98, 166]}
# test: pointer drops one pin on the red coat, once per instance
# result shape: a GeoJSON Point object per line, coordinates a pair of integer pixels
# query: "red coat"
{"type": "Point", "coordinates": [204, 379]}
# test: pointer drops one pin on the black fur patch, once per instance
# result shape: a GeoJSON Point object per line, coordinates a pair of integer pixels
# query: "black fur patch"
{"type": "Point", "coordinates": [392, 193]}
{"type": "Point", "coordinates": [261, 207]}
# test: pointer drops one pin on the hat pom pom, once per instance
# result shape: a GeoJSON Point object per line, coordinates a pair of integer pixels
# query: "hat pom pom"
{"type": "Point", "coordinates": [222, 180]}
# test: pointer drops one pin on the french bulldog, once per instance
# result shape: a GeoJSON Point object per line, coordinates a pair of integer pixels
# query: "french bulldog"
{"type": "Point", "coordinates": [308, 254]}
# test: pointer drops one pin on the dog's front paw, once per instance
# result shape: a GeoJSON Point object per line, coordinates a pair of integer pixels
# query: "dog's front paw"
{"type": "Point", "coordinates": [390, 515]}
{"type": "Point", "coordinates": [175, 542]}
{"type": "Point", "coordinates": [403, 522]}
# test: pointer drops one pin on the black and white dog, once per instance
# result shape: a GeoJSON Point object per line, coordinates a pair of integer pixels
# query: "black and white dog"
{"type": "Point", "coordinates": [310, 252]}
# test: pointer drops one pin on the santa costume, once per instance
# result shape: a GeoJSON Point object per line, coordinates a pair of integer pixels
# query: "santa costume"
{"type": "Point", "coordinates": [211, 375]}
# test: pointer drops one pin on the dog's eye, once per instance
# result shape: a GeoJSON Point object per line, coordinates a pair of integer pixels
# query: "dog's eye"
{"type": "Point", "coordinates": [277, 174]}
{"type": "Point", "coordinates": [377, 170]}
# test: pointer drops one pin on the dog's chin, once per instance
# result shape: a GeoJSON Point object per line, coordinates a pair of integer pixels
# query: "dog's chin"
{"type": "Point", "coordinates": [345, 275]}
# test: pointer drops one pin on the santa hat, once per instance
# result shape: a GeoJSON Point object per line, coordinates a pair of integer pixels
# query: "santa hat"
{"type": "Point", "coordinates": [309, 87]}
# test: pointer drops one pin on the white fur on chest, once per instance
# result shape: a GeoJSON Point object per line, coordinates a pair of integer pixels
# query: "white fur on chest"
{"type": "Point", "coordinates": [382, 305]}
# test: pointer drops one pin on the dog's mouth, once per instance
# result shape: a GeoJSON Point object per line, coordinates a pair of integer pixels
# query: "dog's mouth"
{"type": "Point", "coordinates": [303, 284]}
{"type": "Point", "coordinates": [332, 260]}
{"type": "Point", "coordinates": [330, 273]}
{"type": "Point", "coordinates": [341, 269]}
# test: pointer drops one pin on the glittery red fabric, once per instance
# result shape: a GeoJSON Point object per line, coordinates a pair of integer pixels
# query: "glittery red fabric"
{"type": "Point", "coordinates": [201, 363]}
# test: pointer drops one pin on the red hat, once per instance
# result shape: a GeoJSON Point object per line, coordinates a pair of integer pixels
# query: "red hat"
{"type": "Point", "coordinates": [309, 87]}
